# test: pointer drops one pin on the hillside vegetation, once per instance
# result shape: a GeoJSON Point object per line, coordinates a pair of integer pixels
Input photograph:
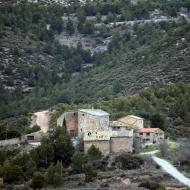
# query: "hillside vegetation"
{"type": "Point", "coordinates": [37, 72]}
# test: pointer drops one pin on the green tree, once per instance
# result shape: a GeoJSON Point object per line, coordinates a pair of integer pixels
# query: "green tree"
{"type": "Point", "coordinates": [62, 146]}
{"type": "Point", "coordinates": [44, 154]}
{"type": "Point", "coordinates": [110, 17]}
{"type": "Point", "coordinates": [70, 27]}
{"type": "Point", "coordinates": [78, 160]}
{"type": "Point", "coordinates": [54, 174]}
{"type": "Point", "coordinates": [90, 172]}
{"type": "Point", "coordinates": [164, 148]}
{"type": "Point", "coordinates": [12, 173]}
{"type": "Point", "coordinates": [94, 152]}
{"type": "Point", "coordinates": [81, 14]}
{"type": "Point", "coordinates": [157, 121]}
{"type": "Point", "coordinates": [98, 17]}
{"type": "Point", "coordinates": [26, 163]}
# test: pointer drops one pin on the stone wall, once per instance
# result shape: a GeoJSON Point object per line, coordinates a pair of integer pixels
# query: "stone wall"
{"type": "Point", "coordinates": [121, 144]}
{"type": "Point", "coordinates": [114, 145]}
{"type": "Point", "coordinates": [91, 123]}
{"type": "Point", "coordinates": [10, 142]}
{"type": "Point", "coordinates": [72, 123]}
{"type": "Point", "coordinates": [104, 146]}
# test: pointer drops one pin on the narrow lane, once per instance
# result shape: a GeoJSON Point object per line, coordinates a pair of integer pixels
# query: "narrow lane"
{"type": "Point", "coordinates": [170, 169]}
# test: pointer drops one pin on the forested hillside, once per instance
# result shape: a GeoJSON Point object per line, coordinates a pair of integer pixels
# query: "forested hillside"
{"type": "Point", "coordinates": [167, 108]}
{"type": "Point", "coordinates": [145, 44]}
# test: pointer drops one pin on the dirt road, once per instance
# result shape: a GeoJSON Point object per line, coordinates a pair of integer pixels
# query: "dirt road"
{"type": "Point", "coordinates": [170, 169]}
{"type": "Point", "coordinates": [42, 120]}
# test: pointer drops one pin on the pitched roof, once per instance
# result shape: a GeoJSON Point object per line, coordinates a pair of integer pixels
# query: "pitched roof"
{"type": "Point", "coordinates": [135, 117]}
{"type": "Point", "coordinates": [148, 130]}
{"type": "Point", "coordinates": [130, 119]}
{"type": "Point", "coordinates": [117, 123]}
{"type": "Point", "coordinates": [96, 112]}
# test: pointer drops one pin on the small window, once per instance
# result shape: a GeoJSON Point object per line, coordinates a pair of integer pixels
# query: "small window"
{"type": "Point", "coordinates": [81, 129]}
{"type": "Point", "coordinates": [74, 114]}
{"type": "Point", "coordinates": [148, 134]}
{"type": "Point", "coordinates": [83, 114]}
{"type": "Point", "coordinates": [141, 133]}
{"type": "Point", "coordinates": [118, 127]}
{"type": "Point", "coordinates": [30, 138]}
{"type": "Point", "coordinates": [89, 133]}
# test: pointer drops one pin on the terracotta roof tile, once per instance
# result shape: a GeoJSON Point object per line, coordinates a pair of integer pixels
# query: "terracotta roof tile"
{"type": "Point", "coordinates": [147, 130]}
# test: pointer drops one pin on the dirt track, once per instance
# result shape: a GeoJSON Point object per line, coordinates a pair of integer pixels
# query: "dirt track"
{"type": "Point", "coordinates": [42, 120]}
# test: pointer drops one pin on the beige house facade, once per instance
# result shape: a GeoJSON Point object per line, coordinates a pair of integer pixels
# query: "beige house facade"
{"type": "Point", "coordinates": [132, 121]}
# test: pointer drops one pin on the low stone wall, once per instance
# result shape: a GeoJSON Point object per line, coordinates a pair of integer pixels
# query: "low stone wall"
{"type": "Point", "coordinates": [10, 142]}
{"type": "Point", "coordinates": [121, 144]}
{"type": "Point", "coordinates": [104, 146]}
{"type": "Point", "coordinates": [113, 145]}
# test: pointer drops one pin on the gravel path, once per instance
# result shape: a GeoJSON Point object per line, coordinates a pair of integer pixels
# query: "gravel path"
{"type": "Point", "coordinates": [170, 169]}
{"type": "Point", "coordinates": [42, 120]}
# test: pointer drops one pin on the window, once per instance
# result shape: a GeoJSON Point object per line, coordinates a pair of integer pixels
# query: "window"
{"type": "Point", "coordinates": [118, 127]}
{"type": "Point", "coordinates": [148, 134]}
{"type": "Point", "coordinates": [30, 138]}
{"type": "Point", "coordinates": [83, 114]}
{"type": "Point", "coordinates": [81, 129]}
{"type": "Point", "coordinates": [141, 133]}
{"type": "Point", "coordinates": [89, 133]}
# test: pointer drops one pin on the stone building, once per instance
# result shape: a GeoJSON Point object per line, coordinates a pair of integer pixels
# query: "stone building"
{"type": "Point", "coordinates": [109, 141]}
{"type": "Point", "coordinates": [94, 128]}
{"type": "Point", "coordinates": [150, 135]}
{"type": "Point", "coordinates": [92, 120]}
{"type": "Point", "coordinates": [132, 121]}
{"type": "Point", "coordinates": [34, 137]}
{"type": "Point", "coordinates": [71, 119]}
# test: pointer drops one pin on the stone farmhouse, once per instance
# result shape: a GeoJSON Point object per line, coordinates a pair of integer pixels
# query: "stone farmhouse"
{"type": "Point", "coordinates": [150, 135]}
{"type": "Point", "coordinates": [94, 128]}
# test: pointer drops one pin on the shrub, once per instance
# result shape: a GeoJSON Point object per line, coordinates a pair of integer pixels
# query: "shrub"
{"type": "Point", "coordinates": [129, 161]}
{"type": "Point", "coordinates": [164, 148]}
{"type": "Point", "coordinates": [94, 152]}
{"type": "Point", "coordinates": [152, 185]}
{"type": "Point", "coordinates": [38, 180]}
{"type": "Point", "coordinates": [90, 172]}
{"type": "Point", "coordinates": [11, 172]}
{"type": "Point", "coordinates": [78, 160]}
{"type": "Point", "coordinates": [54, 174]}
{"type": "Point", "coordinates": [23, 188]}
